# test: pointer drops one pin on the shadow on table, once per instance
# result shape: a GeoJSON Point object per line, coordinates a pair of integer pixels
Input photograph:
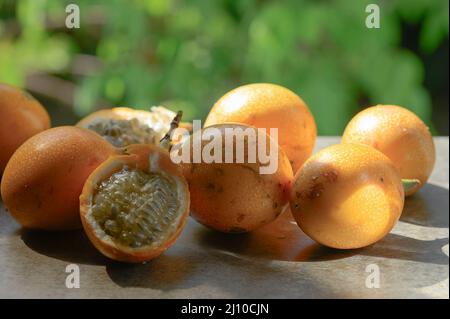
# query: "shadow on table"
{"type": "Point", "coordinates": [240, 259]}
{"type": "Point", "coordinates": [214, 272]}
{"type": "Point", "coordinates": [428, 207]}
{"type": "Point", "coordinates": [164, 272]}
{"type": "Point", "coordinates": [299, 248]}
{"type": "Point", "coordinates": [184, 267]}
{"type": "Point", "coordinates": [405, 248]}
{"type": "Point", "coordinates": [190, 268]}
{"type": "Point", "coordinates": [280, 240]}
{"type": "Point", "coordinates": [70, 246]}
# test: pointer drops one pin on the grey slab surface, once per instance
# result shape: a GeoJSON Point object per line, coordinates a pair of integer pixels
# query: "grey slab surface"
{"type": "Point", "coordinates": [278, 261]}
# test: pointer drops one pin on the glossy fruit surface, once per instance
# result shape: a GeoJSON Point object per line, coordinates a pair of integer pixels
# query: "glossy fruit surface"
{"type": "Point", "coordinates": [43, 180]}
{"type": "Point", "coordinates": [236, 197]}
{"type": "Point", "coordinates": [400, 135]}
{"type": "Point", "coordinates": [265, 105]}
{"type": "Point", "coordinates": [347, 196]}
{"type": "Point", "coordinates": [134, 206]}
{"type": "Point", "coordinates": [22, 116]}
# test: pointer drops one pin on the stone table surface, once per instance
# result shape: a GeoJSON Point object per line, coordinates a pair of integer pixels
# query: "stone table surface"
{"type": "Point", "coordinates": [278, 261]}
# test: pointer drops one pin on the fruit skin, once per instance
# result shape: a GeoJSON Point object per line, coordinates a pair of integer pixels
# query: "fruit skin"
{"type": "Point", "coordinates": [145, 157]}
{"type": "Point", "coordinates": [44, 178]}
{"type": "Point", "coordinates": [400, 135]}
{"type": "Point", "coordinates": [347, 196]}
{"type": "Point", "coordinates": [266, 105]}
{"type": "Point", "coordinates": [235, 197]}
{"type": "Point", "coordinates": [22, 117]}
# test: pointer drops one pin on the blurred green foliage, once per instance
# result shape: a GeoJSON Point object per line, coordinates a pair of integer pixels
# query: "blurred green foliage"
{"type": "Point", "coordinates": [186, 54]}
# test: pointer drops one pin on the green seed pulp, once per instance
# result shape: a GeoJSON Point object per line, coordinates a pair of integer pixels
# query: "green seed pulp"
{"type": "Point", "coordinates": [121, 133]}
{"type": "Point", "coordinates": [136, 208]}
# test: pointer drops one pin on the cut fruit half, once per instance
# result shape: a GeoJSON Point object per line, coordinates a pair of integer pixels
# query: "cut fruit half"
{"type": "Point", "coordinates": [122, 126]}
{"type": "Point", "coordinates": [134, 206]}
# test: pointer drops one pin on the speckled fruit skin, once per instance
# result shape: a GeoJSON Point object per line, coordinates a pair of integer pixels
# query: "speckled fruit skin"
{"type": "Point", "coordinates": [347, 196]}
{"type": "Point", "coordinates": [43, 180]}
{"type": "Point", "coordinates": [147, 158]}
{"type": "Point", "coordinates": [266, 105]}
{"type": "Point", "coordinates": [400, 135]}
{"type": "Point", "coordinates": [235, 197]}
{"type": "Point", "coordinates": [22, 117]}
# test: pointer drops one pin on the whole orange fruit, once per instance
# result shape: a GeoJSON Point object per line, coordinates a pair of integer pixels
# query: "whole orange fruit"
{"type": "Point", "coordinates": [266, 105]}
{"type": "Point", "coordinates": [22, 116]}
{"type": "Point", "coordinates": [43, 180]}
{"type": "Point", "coordinates": [400, 135]}
{"type": "Point", "coordinates": [134, 206]}
{"type": "Point", "coordinates": [236, 197]}
{"type": "Point", "coordinates": [347, 196]}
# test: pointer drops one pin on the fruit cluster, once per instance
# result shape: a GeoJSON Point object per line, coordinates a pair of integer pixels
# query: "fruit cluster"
{"type": "Point", "coordinates": [111, 174]}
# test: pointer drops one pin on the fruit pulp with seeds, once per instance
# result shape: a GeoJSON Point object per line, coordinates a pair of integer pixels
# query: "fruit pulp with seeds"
{"type": "Point", "coordinates": [136, 208]}
{"type": "Point", "coordinates": [125, 132]}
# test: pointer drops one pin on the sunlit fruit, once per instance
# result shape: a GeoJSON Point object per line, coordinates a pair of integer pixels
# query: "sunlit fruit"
{"type": "Point", "coordinates": [122, 126]}
{"type": "Point", "coordinates": [347, 196]}
{"type": "Point", "coordinates": [268, 106]}
{"type": "Point", "coordinates": [43, 180]}
{"type": "Point", "coordinates": [134, 206]}
{"type": "Point", "coordinates": [400, 135]}
{"type": "Point", "coordinates": [236, 196]}
{"type": "Point", "coordinates": [22, 117]}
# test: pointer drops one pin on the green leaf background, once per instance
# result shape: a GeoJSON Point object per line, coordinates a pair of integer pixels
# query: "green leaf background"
{"type": "Point", "coordinates": [186, 54]}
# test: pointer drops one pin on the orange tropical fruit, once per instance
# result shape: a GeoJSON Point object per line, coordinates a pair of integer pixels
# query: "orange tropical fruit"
{"type": "Point", "coordinates": [400, 135]}
{"type": "Point", "coordinates": [43, 180]}
{"type": "Point", "coordinates": [134, 206]}
{"type": "Point", "coordinates": [122, 126]}
{"type": "Point", "coordinates": [347, 196]}
{"type": "Point", "coordinates": [266, 105]}
{"type": "Point", "coordinates": [235, 197]}
{"type": "Point", "coordinates": [22, 117]}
